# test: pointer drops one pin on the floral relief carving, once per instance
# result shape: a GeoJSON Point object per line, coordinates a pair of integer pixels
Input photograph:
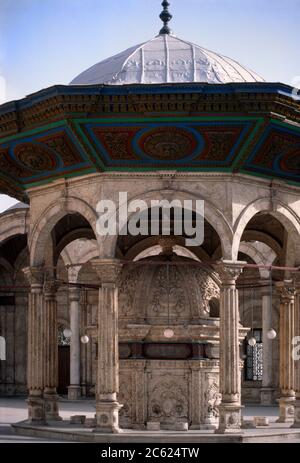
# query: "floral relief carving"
{"type": "Point", "coordinates": [168, 400]}
{"type": "Point", "coordinates": [168, 292]}
{"type": "Point", "coordinates": [212, 398]}
{"type": "Point", "coordinates": [125, 395]}
{"type": "Point", "coordinates": [129, 281]}
{"type": "Point", "coordinates": [208, 290]}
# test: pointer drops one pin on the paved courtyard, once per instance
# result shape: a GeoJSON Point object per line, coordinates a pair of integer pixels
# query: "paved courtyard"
{"type": "Point", "coordinates": [14, 410]}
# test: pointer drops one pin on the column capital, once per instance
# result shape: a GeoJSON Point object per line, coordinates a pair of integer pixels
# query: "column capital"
{"type": "Point", "coordinates": [286, 290]}
{"type": "Point", "coordinates": [50, 287]}
{"type": "Point", "coordinates": [107, 270]}
{"type": "Point", "coordinates": [296, 280]}
{"type": "Point", "coordinates": [229, 270]}
{"type": "Point", "coordinates": [34, 275]}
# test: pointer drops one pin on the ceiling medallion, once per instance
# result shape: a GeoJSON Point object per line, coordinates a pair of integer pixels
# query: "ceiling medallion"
{"type": "Point", "coordinates": [290, 162]}
{"type": "Point", "coordinates": [168, 143]}
{"type": "Point", "coordinates": [35, 157]}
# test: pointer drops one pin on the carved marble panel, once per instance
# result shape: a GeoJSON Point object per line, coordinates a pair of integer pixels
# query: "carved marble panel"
{"type": "Point", "coordinates": [168, 396]}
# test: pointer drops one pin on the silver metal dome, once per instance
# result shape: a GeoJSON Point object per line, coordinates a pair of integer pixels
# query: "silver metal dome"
{"type": "Point", "coordinates": [166, 59]}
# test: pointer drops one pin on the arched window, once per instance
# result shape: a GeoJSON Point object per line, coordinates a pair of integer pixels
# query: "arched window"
{"type": "Point", "coordinates": [2, 348]}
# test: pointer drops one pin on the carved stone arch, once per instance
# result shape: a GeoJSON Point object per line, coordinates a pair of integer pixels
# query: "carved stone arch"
{"type": "Point", "coordinates": [258, 235]}
{"type": "Point", "coordinates": [152, 241]}
{"type": "Point", "coordinates": [13, 223]}
{"type": "Point", "coordinates": [71, 237]}
{"type": "Point", "coordinates": [76, 263]}
{"type": "Point", "coordinates": [282, 212]}
{"type": "Point", "coordinates": [260, 257]}
{"type": "Point", "coordinates": [41, 232]}
{"type": "Point", "coordinates": [213, 215]}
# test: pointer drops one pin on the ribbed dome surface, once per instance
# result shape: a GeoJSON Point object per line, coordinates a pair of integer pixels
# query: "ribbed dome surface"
{"type": "Point", "coordinates": [166, 59]}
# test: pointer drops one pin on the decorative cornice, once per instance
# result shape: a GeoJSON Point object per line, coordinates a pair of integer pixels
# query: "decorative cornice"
{"type": "Point", "coordinates": [63, 102]}
{"type": "Point", "coordinates": [47, 136]}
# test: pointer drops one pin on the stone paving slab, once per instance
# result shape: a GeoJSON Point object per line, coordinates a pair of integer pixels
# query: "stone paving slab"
{"type": "Point", "coordinates": [14, 410]}
{"type": "Point", "coordinates": [65, 431]}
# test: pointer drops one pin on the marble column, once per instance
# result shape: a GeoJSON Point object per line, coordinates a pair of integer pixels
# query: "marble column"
{"type": "Point", "coordinates": [74, 390]}
{"type": "Point", "coordinates": [296, 423]}
{"type": "Point", "coordinates": [230, 374]}
{"type": "Point", "coordinates": [286, 292]}
{"type": "Point", "coordinates": [107, 406]}
{"type": "Point", "coordinates": [267, 391]}
{"type": "Point", "coordinates": [51, 353]}
{"type": "Point", "coordinates": [36, 346]}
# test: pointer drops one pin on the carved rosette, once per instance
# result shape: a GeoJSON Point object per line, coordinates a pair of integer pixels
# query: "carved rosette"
{"type": "Point", "coordinates": [36, 157]}
{"type": "Point", "coordinates": [168, 143]}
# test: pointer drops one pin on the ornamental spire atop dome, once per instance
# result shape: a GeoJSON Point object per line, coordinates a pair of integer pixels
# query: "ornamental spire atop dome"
{"type": "Point", "coordinates": [166, 59]}
{"type": "Point", "coordinates": [166, 17]}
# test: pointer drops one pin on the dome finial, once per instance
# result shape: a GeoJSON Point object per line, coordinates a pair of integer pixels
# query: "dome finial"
{"type": "Point", "coordinates": [166, 17]}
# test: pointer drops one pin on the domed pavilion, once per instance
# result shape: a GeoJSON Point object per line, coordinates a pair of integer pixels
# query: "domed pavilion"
{"type": "Point", "coordinates": [164, 335]}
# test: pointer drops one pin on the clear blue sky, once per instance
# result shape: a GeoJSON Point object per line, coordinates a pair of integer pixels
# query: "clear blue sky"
{"type": "Point", "coordinates": [47, 42]}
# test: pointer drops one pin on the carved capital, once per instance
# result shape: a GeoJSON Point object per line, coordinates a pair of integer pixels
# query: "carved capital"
{"type": "Point", "coordinates": [107, 270]}
{"type": "Point", "coordinates": [229, 271]}
{"type": "Point", "coordinates": [34, 275]}
{"type": "Point", "coordinates": [296, 280]}
{"type": "Point", "coordinates": [50, 287]}
{"type": "Point", "coordinates": [286, 291]}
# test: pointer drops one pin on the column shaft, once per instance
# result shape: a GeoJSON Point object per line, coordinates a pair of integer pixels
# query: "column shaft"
{"type": "Point", "coordinates": [286, 364]}
{"type": "Point", "coordinates": [296, 423]}
{"type": "Point", "coordinates": [107, 406]}
{"type": "Point", "coordinates": [51, 354]}
{"type": "Point", "coordinates": [108, 356]}
{"type": "Point", "coordinates": [267, 390]}
{"type": "Point", "coordinates": [36, 346]}
{"type": "Point", "coordinates": [74, 390]}
{"type": "Point", "coordinates": [230, 376]}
